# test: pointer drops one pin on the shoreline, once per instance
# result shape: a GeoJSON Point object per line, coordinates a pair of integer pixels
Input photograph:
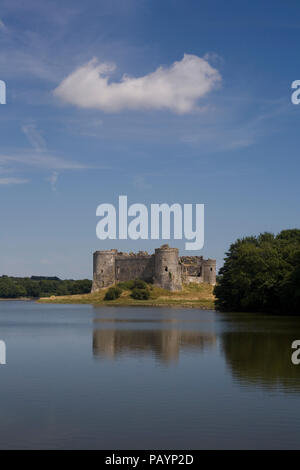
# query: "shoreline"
{"type": "Point", "coordinates": [133, 304]}
{"type": "Point", "coordinates": [192, 296]}
{"type": "Point", "coordinates": [18, 299]}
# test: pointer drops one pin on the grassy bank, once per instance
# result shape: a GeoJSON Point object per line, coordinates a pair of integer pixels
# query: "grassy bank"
{"type": "Point", "coordinates": [192, 295]}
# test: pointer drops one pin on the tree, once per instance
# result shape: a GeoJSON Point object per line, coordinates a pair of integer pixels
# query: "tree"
{"type": "Point", "coordinates": [261, 274]}
{"type": "Point", "coordinates": [38, 286]}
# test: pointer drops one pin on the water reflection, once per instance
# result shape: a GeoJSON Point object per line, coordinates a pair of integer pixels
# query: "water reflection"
{"type": "Point", "coordinates": [258, 351]}
{"type": "Point", "coordinates": [228, 389]}
{"type": "Point", "coordinates": [164, 343]}
{"type": "Point", "coordinates": [256, 348]}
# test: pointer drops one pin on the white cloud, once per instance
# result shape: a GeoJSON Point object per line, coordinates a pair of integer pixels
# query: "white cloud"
{"type": "Point", "coordinates": [40, 156]}
{"type": "Point", "coordinates": [176, 88]}
{"type": "Point", "coordinates": [53, 180]}
{"type": "Point", "coordinates": [34, 137]}
{"type": "Point", "coordinates": [3, 28]}
{"type": "Point", "coordinates": [41, 160]}
{"type": "Point", "coordinates": [12, 180]}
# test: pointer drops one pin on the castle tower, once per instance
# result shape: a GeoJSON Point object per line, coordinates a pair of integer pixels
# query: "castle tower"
{"type": "Point", "coordinates": [167, 272]}
{"type": "Point", "coordinates": [103, 269]}
{"type": "Point", "coordinates": [209, 271]}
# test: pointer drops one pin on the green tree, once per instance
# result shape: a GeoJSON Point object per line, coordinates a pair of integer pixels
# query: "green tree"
{"type": "Point", "coordinates": [261, 274]}
{"type": "Point", "coordinates": [39, 286]}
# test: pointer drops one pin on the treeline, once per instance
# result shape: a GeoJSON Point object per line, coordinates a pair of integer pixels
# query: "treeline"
{"type": "Point", "coordinates": [38, 286]}
{"type": "Point", "coordinates": [261, 274]}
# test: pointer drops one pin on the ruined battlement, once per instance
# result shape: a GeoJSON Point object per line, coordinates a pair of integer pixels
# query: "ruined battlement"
{"type": "Point", "coordinates": [131, 255]}
{"type": "Point", "coordinates": [164, 268]}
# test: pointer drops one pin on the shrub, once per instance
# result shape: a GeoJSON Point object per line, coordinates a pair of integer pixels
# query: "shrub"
{"type": "Point", "coordinates": [140, 294]}
{"type": "Point", "coordinates": [113, 293]}
{"type": "Point", "coordinates": [126, 285]}
{"type": "Point", "coordinates": [133, 284]}
{"type": "Point", "coordinates": [139, 284]}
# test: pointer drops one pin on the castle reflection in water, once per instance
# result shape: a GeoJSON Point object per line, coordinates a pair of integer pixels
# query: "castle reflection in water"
{"type": "Point", "coordinates": [256, 348]}
{"type": "Point", "coordinates": [164, 344]}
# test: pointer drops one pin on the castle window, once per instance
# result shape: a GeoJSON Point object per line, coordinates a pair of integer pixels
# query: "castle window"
{"type": "Point", "coordinates": [166, 268]}
{"type": "Point", "coordinates": [200, 273]}
{"type": "Point", "coordinates": [211, 269]}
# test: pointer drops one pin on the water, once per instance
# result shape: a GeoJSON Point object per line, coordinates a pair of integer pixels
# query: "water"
{"type": "Point", "coordinates": [146, 378]}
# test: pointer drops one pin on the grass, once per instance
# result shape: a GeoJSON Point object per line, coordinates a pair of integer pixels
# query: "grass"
{"type": "Point", "coordinates": [192, 295]}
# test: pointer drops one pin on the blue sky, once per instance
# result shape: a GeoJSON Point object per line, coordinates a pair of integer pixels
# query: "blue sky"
{"type": "Point", "coordinates": [234, 148]}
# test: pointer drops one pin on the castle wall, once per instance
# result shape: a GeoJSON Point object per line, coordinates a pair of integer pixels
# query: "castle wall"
{"type": "Point", "coordinates": [209, 271]}
{"type": "Point", "coordinates": [186, 279]}
{"type": "Point", "coordinates": [165, 268]}
{"type": "Point", "coordinates": [192, 269]}
{"type": "Point", "coordinates": [104, 269]}
{"type": "Point", "coordinates": [191, 260]}
{"type": "Point", "coordinates": [134, 268]}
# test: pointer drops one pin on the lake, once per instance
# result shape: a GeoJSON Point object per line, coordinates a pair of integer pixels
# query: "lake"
{"type": "Point", "coordinates": [81, 377]}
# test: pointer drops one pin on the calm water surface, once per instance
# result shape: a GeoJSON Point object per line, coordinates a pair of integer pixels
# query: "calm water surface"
{"type": "Point", "coordinates": [146, 378]}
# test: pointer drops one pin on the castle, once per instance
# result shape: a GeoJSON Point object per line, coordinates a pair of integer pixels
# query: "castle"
{"type": "Point", "coordinates": [164, 268]}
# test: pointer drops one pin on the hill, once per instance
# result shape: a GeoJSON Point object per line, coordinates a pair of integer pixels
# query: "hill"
{"type": "Point", "coordinates": [192, 295]}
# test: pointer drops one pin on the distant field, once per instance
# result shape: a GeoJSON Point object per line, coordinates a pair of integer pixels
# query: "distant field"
{"type": "Point", "coordinates": [192, 295]}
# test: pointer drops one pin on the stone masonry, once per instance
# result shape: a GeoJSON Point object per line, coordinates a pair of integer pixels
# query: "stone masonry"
{"type": "Point", "coordinates": [164, 268]}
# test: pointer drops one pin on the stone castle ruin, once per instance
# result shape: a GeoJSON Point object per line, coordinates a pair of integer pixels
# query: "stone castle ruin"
{"type": "Point", "coordinates": [164, 268]}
